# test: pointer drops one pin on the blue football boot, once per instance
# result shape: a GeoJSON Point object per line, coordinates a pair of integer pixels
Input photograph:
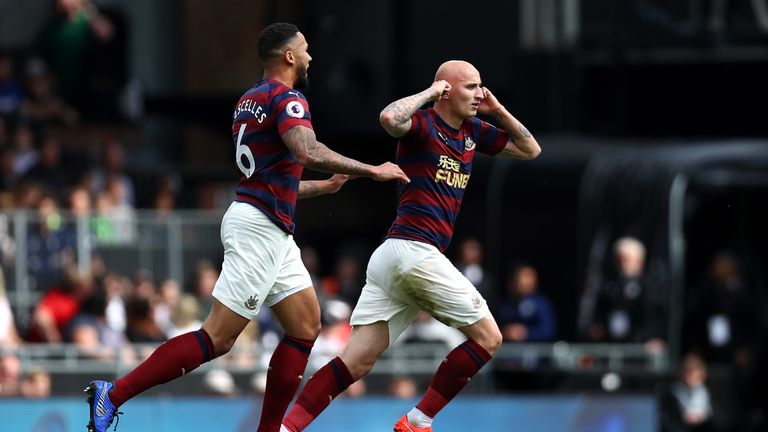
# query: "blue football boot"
{"type": "Point", "coordinates": [102, 411]}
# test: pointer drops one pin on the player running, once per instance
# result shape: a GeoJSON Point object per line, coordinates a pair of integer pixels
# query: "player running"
{"type": "Point", "coordinates": [274, 140]}
{"type": "Point", "coordinates": [409, 272]}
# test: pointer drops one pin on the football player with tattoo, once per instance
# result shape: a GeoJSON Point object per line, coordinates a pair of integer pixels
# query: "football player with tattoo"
{"type": "Point", "coordinates": [274, 141]}
{"type": "Point", "coordinates": [408, 272]}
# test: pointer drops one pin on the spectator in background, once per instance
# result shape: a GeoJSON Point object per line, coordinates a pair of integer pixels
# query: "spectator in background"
{"type": "Point", "coordinates": [625, 309]}
{"type": "Point", "coordinates": [7, 173]}
{"type": "Point", "coordinates": [116, 288]}
{"type": "Point", "coordinates": [51, 243]}
{"type": "Point", "coordinates": [688, 406]}
{"type": "Point", "coordinates": [311, 260]}
{"type": "Point", "coordinates": [28, 195]}
{"type": "Point", "coordinates": [10, 373]}
{"type": "Point", "coordinates": [9, 336]}
{"type": "Point", "coordinates": [347, 281]}
{"type": "Point", "coordinates": [471, 266]}
{"type": "Point", "coordinates": [7, 242]}
{"type": "Point", "coordinates": [219, 382]}
{"type": "Point", "coordinates": [25, 154]}
{"type": "Point", "coordinates": [36, 384]}
{"type": "Point", "coordinates": [112, 170]}
{"type": "Point", "coordinates": [43, 105]}
{"type": "Point", "coordinates": [103, 222]}
{"type": "Point", "coordinates": [142, 327]}
{"type": "Point", "coordinates": [204, 283]}
{"type": "Point", "coordinates": [185, 316]}
{"type": "Point", "coordinates": [80, 202]}
{"type": "Point", "coordinates": [115, 223]}
{"type": "Point", "coordinates": [11, 93]}
{"type": "Point", "coordinates": [526, 315]}
{"type": "Point", "coordinates": [334, 333]}
{"type": "Point", "coordinates": [81, 205]}
{"type": "Point", "coordinates": [5, 133]}
{"type": "Point", "coordinates": [167, 303]}
{"type": "Point", "coordinates": [248, 350]}
{"type": "Point", "coordinates": [721, 318]}
{"type": "Point", "coordinates": [58, 306]}
{"type": "Point", "coordinates": [50, 169]}
{"type": "Point", "coordinates": [66, 42]}
{"type": "Point", "coordinates": [165, 202]}
{"type": "Point", "coordinates": [403, 387]}
{"type": "Point", "coordinates": [426, 329]}
{"type": "Point", "coordinates": [90, 332]}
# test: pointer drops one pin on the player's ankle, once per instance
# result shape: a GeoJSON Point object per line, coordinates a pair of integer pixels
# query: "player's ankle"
{"type": "Point", "coordinates": [417, 418]}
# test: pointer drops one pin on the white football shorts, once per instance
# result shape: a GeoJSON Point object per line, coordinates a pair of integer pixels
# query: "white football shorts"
{"type": "Point", "coordinates": [262, 263]}
{"type": "Point", "coordinates": [407, 276]}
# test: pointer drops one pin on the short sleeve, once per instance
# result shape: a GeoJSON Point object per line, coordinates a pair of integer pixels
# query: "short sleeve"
{"type": "Point", "coordinates": [490, 139]}
{"type": "Point", "coordinates": [290, 108]}
{"type": "Point", "coordinates": [418, 126]}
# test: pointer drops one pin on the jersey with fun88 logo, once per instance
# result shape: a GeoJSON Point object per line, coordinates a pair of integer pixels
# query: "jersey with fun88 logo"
{"type": "Point", "coordinates": [438, 160]}
{"type": "Point", "coordinates": [269, 173]}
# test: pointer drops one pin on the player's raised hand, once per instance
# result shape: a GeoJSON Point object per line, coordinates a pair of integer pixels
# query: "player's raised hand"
{"type": "Point", "coordinates": [441, 87]}
{"type": "Point", "coordinates": [489, 105]}
{"type": "Point", "coordinates": [336, 182]}
{"type": "Point", "coordinates": [389, 171]}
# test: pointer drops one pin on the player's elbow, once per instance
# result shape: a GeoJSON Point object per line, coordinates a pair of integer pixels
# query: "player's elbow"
{"type": "Point", "coordinates": [302, 157]}
{"type": "Point", "coordinates": [309, 159]}
{"type": "Point", "coordinates": [394, 127]}
{"type": "Point", "coordinates": [532, 151]}
{"type": "Point", "coordinates": [387, 120]}
{"type": "Point", "coordinates": [391, 124]}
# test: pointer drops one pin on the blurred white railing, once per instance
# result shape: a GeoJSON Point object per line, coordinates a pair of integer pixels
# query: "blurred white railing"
{"type": "Point", "coordinates": [35, 247]}
{"type": "Point", "coordinates": [401, 358]}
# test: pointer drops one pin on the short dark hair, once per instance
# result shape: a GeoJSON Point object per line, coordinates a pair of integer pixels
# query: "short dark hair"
{"type": "Point", "coordinates": [274, 37]}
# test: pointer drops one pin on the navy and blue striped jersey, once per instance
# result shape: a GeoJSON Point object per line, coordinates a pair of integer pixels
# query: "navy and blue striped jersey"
{"type": "Point", "coordinates": [269, 173]}
{"type": "Point", "coordinates": [438, 160]}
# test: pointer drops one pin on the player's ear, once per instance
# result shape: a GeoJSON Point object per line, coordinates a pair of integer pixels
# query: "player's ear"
{"type": "Point", "coordinates": [288, 56]}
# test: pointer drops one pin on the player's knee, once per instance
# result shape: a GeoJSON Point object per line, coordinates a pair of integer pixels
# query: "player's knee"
{"type": "Point", "coordinates": [496, 341]}
{"type": "Point", "coordinates": [360, 360]}
{"type": "Point", "coordinates": [361, 368]}
{"type": "Point", "coordinates": [222, 345]}
{"type": "Point", "coordinates": [308, 330]}
{"type": "Point", "coordinates": [490, 340]}
{"type": "Point", "coordinates": [313, 330]}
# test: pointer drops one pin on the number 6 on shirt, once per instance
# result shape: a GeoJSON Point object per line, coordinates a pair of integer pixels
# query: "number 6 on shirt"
{"type": "Point", "coordinates": [244, 150]}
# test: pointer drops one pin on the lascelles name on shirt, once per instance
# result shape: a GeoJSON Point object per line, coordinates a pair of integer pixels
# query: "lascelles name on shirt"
{"type": "Point", "coordinates": [252, 107]}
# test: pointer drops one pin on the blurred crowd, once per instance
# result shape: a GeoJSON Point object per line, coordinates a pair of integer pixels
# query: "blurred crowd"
{"type": "Point", "coordinates": [108, 315]}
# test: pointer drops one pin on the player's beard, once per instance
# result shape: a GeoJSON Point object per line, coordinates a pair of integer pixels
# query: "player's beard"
{"type": "Point", "coordinates": [302, 79]}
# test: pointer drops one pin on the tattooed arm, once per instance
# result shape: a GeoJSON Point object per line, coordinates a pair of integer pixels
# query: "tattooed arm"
{"type": "Point", "coordinates": [313, 188]}
{"type": "Point", "coordinates": [521, 145]}
{"type": "Point", "coordinates": [396, 117]}
{"type": "Point", "coordinates": [311, 153]}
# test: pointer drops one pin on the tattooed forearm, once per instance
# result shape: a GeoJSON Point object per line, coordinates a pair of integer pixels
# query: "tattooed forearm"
{"type": "Point", "coordinates": [521, 145]}
{"type": "Point", "coordinates": [396, 117]}
{"type": "Point", "coordinates": [310, 188]}
{"type": "Point", "coordinates": [301, 141]}
{"type": "Point", "coordinates": [321, 158]}
{"type": "Point", "coordinates": [511, 151]}
{"type": "Point", "coordinates": [403, 109]}
{"type": "Point", "coordinates": [524, 131]}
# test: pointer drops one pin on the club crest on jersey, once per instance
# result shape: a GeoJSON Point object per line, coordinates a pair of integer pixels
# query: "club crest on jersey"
{"type": "Point", "coordinates": [469, 145]}
{"type": "Point", "coordinates": [294, 109]}
{"type": "Point", "coordinates": [252, 303]}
